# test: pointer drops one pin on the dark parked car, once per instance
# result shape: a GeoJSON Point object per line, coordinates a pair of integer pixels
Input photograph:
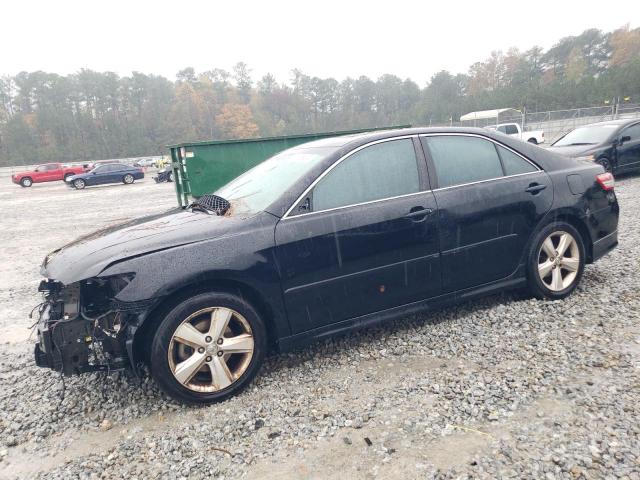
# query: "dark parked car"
{"type": "Point", "coordinates": [615, 144]}
{"type": "Point", "coordinates": [107, 173]}
{"type": "Point", "coordinates": [322, 238]}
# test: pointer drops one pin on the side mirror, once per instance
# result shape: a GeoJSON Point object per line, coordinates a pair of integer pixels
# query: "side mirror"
{"type": "Point", "coordinates": [305, 206]}
{"type": "Point", "coordinates": [626, 138]}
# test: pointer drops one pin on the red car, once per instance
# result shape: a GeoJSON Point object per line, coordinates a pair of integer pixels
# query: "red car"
{"type": "Point", "coordinates": [48, 172]}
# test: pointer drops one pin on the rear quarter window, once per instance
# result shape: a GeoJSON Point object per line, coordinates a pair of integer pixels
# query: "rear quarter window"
{"type": "Point", "coordinates": [514, 164]}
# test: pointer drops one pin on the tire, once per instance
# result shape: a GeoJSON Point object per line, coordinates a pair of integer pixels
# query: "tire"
{"type": "Point", "coordinates": [170, 177]}
{"type": "Point", "coordinates": [79, 184]}
{"type": "Point", "coordinates": [192, 319]}
{"type": "Point", "coordinates": [26, 182]}
{"type": "Point", "coordinates": [550, 275]}
{"type": "Point", "coordinates": [604, 161]}
{"type": "Point", "coordinates": [128, 179]}
{"type": "Point", "coordinates": [67, 176]}
{"type": "Point", "coordinates": [533, 140]}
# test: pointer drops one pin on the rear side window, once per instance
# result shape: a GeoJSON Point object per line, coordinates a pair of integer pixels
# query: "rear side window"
{"type": "Point", "coordinates": [459, 159]}
{"type": "Point", "coordinates": [383, 170]}
{"type": "Point", "coordinates": [514, 164]}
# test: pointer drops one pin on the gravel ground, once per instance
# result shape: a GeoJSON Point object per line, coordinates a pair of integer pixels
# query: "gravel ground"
{"type": "Point", "coordinates": [503, 387]}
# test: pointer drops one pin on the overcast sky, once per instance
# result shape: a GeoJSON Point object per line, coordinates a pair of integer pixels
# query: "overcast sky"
{"type": "Point", "coordinates": [322, 38]}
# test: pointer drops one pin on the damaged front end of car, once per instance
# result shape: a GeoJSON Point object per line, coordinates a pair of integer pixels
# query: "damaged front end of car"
{"type": "Point", "coordinates": [82, 327]}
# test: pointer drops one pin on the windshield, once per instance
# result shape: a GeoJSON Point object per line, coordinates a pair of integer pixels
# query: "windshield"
{"type": "Point", "coordinates": [590, 135]}
{"type": "Point", "coordinates": [256, 189]}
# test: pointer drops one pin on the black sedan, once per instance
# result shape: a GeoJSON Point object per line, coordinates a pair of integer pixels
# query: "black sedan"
{"type": "Point", "coordinates": [615, 144]}
{"type": "Point", "coordinates": [107, 173]}
{"type": "Point", "coordinates": [323, 238]}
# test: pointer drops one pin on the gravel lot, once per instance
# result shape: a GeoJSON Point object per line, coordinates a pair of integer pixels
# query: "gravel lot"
{"type": "Point", "coordinates": [503, 387]}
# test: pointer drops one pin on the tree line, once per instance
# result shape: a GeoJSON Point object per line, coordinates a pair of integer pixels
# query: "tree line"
{"type": "Point", "coordinates": [92, 115]}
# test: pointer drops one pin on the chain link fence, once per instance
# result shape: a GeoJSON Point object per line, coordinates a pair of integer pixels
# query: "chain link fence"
{"type": "Point", "coordinates": [556, 123]}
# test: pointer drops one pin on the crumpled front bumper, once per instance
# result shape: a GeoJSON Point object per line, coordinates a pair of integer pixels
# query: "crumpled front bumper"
{"type": "Point", "coordinates": [63, 345]}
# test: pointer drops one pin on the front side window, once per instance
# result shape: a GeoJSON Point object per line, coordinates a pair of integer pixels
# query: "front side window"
{"type": "Point", "coordinates": [633, 131]}
{"type": "Point", "coordinates": [514, 164]}
{"type": "Point", "coordinates": [384, 170]}
{"type": "Point", "coordinates": [459, 159]}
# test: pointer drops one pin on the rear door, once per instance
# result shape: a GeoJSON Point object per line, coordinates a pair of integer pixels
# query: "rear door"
{"type": "Point", "coordinates": [489, 200]}
{"type": "Point", "coordinates": [50, 172]}
{"type": "Point", "coordinates": [363, 238]}
{"type": "Point", "coordinates": [116, 172]}
{"type": "Point", "coordinates": [54, 172]}
{"type": "Point", "coordinates": [629, 152]}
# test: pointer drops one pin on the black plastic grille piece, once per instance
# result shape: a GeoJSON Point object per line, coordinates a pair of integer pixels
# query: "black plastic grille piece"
{"type": "Point", "coordinates": [213, 203]}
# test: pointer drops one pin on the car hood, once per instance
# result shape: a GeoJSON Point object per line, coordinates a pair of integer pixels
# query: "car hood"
{"type": "Point", "coordinates": [88, 256]}
{"type": "Point", "coordinates": [22, 174]}
{"type": "Point", "coordinates": [573, 151]}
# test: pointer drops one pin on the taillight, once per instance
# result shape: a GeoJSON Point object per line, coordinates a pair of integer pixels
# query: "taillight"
{"type": "Point", "coordinates": [606, 181]}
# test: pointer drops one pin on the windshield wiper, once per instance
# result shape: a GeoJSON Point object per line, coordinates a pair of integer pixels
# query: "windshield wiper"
{"type": "Point", "coordinates": [210, 203]}
{"type": "Point", "coordinates": [577, 144]}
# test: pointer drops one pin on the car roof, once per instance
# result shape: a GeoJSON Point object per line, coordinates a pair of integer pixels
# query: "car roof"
{"type": "Point", "coordinates": [620, 122]}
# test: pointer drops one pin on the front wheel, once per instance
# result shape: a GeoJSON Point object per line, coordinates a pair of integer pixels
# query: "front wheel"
{"type": "Point", "coordinates": [26, 182]}
{"type": "Point", "coordinates": [556, 261]}
{"type": "Point", "coordinates": [606, 164]}
{"type": "Point", "coordinates": [208, 348]}
{"type": "Point", "coordinates": [79, 184]}
{"type": "Point", "coordinates": [127, 179]}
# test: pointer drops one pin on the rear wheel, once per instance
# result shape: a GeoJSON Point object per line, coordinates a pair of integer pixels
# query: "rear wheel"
{"type": "Point", "coordinates": [556, 261]}
{"type": "Point", "coordinates": [79, 184]}
{"type": "Point", "coordinates": [533, 140]}
{"type": "Point", "coordinates": [68, 176]}
{"type": "Point", "coordinates": [127, 179]}
{"type": "Point", "coordinates": [26, 182]}
{"type": "Point", "coordinates": [208, 348]}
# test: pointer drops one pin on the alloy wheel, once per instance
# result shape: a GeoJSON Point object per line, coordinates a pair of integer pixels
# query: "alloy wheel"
{"type": "Point", "coordinates": [211, 349]}
{"type": "Point", "coordinates": [128, 179]}
{"type": "Point", "coordinates": [558, 261]}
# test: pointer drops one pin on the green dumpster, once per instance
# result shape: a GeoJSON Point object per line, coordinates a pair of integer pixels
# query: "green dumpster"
{"type": "Point", "coordinates": [203, 167]}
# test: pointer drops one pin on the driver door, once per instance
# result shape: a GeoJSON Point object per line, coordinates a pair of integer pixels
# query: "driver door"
{"type": "Point", "coordinates": [365, 241]}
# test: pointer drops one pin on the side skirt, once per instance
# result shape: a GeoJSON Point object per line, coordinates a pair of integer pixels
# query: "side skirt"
{"type": "Point", "coordinates": [516, 280]}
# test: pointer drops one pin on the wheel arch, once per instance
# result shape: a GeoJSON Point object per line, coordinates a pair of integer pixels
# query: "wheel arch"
{"type": "Point", "coordinates": [576, 222]}
{"type": "Point", "coordinates": [143, 335]}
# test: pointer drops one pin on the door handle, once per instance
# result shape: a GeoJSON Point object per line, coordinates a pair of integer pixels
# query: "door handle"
{"type": "Point", "coordinates": [419, 213]}
{"type": "Point", "coordinates": [535, 188]}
